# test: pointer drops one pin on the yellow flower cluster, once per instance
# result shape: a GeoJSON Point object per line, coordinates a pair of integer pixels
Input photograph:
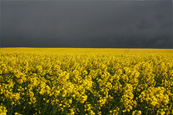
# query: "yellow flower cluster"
{"type": "Point", "coordinates": [3, 110]}
{"type": "Point", "coordinates": [155, 96]}
{"type": "Point", "coordinates": [73, 81]}
{"type": "Point", "coordinates": [127, 98]}
{"type": "Point", "coordinates": [137, 112]}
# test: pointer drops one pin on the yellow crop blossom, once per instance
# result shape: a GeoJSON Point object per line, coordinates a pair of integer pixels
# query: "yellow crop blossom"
{"type": "Point", "coordinates": [115, 111]}
{"type": "Point", "coordinates": [136, 112]}
{"type": "Point", "coordinates": [87, 81]}
{"type": "Point", "coordinates": [91, 112]}
{"type": "Point", "coordinates": [127, 98]}
{"type": "Point", "coordinates": [16, 113]}
{"type": "Point", "coordinates": [155, 96]}
{"type": "Point", "coordinates": [3, 110]}
{"type": "Point", "coordinates": [16, 96]}
{"type": "Point", "coordinates": [83, 99]}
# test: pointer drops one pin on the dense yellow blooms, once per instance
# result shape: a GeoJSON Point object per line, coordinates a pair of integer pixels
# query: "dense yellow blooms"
{"type": "Point", "coordinates": [74, 81]}
{"type": "Point", "coordinates": [136, 112]}
{"type": "Point", "coordinates": [3, 110]}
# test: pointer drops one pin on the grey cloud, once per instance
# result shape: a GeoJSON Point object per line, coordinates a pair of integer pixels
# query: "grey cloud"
{"type": "Point", "coordinates": [87, 24]}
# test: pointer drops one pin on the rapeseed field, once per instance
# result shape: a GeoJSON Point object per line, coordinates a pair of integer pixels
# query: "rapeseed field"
{"type": "Point", "coordinates": [86, 81]}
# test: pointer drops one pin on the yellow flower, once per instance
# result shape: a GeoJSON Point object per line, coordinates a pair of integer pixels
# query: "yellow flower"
{"type": "Point", "coordinates": [3, 110]}
{"type": "Point", "coordinates": [83, 99]}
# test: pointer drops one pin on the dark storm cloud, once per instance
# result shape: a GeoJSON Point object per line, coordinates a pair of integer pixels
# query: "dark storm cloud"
{"type": "Point", "coordinates": [146, 24]}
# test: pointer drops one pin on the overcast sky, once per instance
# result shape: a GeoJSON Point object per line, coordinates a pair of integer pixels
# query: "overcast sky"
{"type": "Point", "coordinates": [103, 24]}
